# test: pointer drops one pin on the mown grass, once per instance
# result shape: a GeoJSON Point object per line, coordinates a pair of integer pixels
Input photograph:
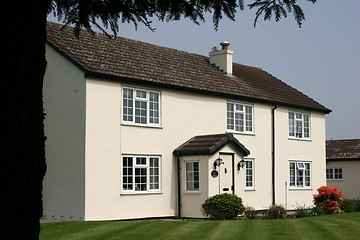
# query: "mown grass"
{"type": "Point", "coordinates": [339, 226]}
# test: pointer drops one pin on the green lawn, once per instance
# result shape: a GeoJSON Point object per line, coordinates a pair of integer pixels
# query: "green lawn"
{"type": "Point", "coordinates": [339, 226]}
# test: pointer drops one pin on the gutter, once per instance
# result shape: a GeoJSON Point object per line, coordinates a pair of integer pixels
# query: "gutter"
{"type": "Point", "coordinates": [273, 152]}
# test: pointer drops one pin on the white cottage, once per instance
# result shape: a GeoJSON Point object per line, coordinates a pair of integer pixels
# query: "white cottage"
{"type": "Point", "coordinates": [136, 130]}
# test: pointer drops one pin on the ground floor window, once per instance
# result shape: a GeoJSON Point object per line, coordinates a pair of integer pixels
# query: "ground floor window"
{"type": "Point", "coordinates": [300, 174]}
{"type": "Point", "coordinates": [192, 176]}
{"type": "Point", "coordinates": [140, 173]}
{"type": "Point", "coordinates": [334, 174]}
{"type": "Point", "coordinates": [249, 173]}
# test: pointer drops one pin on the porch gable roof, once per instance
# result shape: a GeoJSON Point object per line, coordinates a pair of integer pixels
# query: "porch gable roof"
{"type": "Point", "coordinates": [209, 145]}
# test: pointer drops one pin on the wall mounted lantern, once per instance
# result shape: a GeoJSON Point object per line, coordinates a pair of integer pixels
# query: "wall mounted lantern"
{"type": "Point", "coordinates": [218, 162]}
{"type": "Point", "coordinates": [241, 164]}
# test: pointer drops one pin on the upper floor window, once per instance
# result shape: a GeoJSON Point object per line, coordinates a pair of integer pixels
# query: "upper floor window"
{"type": "Point", "coordinates": [334, 174]}
{"type": "Point", "coordinates": [299, 125]}
{"type": "Point", "coordinates": [140, 106]}
{"type": "Point", "coordinates": [239, 117]}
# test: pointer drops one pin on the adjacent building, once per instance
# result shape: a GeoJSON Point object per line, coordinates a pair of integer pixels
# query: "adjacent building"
{"type": "Point", "coordinates": [343, 166]}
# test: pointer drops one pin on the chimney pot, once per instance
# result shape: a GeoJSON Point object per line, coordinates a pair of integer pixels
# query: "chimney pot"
{"type": "Point", "coordinates": [225, 45]}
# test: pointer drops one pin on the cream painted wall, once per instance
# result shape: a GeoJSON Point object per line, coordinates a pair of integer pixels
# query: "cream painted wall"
{"type": "Point", "coordinates": [64, 104]}
{"type": "Point", "coordinates": [351, 178]}
{"type": "Point", "coordinates": [299, 150]}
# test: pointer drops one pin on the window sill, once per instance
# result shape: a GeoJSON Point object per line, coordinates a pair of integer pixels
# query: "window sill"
{"type": "Point", "coordinates": [301, 189]}
{"type": "Point", "coordinates": [141, 125]}
{"type": "Point", "coordinates": [140, 193]}
{"type": "Point", "coordinates": [300, 139]}
{"type": "Point", "coordinates": [334, 179]}
{"type": "Point", "coordinates": [191, 192]}
{"type": "Point", "coordinates": [249, 189]}
{"type": "Point", "coordinates": [242, 133]}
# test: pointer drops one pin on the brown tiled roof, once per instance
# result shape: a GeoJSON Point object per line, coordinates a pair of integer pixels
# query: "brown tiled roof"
{"type": "Point", "coordinates": [347, 149]}
{"type": "Point", "coordinates": [209, 145]}
{"type": "Point", "coordinates": [138, 62]}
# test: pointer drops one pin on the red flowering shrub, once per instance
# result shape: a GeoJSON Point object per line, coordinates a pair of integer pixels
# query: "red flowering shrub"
{"type": "Point", "coordinates": [328, 199]}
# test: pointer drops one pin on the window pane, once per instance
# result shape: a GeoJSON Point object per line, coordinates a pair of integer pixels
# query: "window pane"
{"type": "Point", "coordinates": [299, 178]}
{"type": "Point", "coordinates": [140, 112]}
{"type": "Point", "coordinates": [239, 122]}
{"type": "Point", "coordinates": [230, 116]}
{"type": "Point", "coordinates": [239, 107]}
{"type": "Point", "coordinates": [328, 176]}
{"type": "Point", "coordinates": [292, 174]}
{"type": "Point", "coordinates": [340, 173]}
{"type": "Point", "coordinates": [192, 176]}
{"type": "Point", "coordinates": [306, 126]}
{"type": "Point", "coordinates": [127, 173]}
{"type": "Point", "coordinates": [127, 104]}
{"type": "Point", "coordinates": [291, 125]}
{"type": "Point", "coordinates": [141, 161]}
{"type": "Point", "coordinates": [154, 173]}
{"type": "Point", "coordinates": [299, 126]}
{"type": "Point", "coordinates": [248, 118]}
{"type": "Point", "coordinates": [154, 108]}
{"type": "Point", "coordinates": [141, 94]}
{"type": "Point", "coordinates": [300, 174]}
{"type": "Point", "coordinates": [140, 179]}
{"type": "Point", "coordinates": [307, 174]}
{"type": "Point", "coordinates": [249, 174]}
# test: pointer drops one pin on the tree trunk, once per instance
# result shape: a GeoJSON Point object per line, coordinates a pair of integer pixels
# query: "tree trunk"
{"type": "Point", "coordinates": [22, 140]}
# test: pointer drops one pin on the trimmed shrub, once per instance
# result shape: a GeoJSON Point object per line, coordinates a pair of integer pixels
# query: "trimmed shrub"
{"type": "Point", "coordinates": [348, 205]}
{"type": "Point", "coordinates": [251, 213]}
{"type": "Point", "coordinates": [223, 206]}
{"type": "Point", "coordinates": [275, 212]}
{"type": "Point", "coordinates": [329, 199]}
{"type": "Point", "coordinates": [357, 205]}
{"type": "Point", "coordinates": [302, 211]}
{"type": "Point", "coordinates": [317, 211]}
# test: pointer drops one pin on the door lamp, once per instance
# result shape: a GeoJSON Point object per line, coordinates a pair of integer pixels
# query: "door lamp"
{"type": "Point", "coordinates": [241, 164]}
{"type": "Point", "coordinates": [218, 162]}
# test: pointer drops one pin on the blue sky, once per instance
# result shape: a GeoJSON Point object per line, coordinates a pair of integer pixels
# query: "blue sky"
{"type": "Point", "coordinates": [321, 59]}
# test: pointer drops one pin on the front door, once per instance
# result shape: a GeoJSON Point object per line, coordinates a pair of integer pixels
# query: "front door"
{"type": "Point", "coordinates": [226, 174]}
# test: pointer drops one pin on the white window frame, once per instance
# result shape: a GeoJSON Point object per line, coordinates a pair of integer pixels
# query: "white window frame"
{"type": "Point", "coordinates": [298, 118]}
{"type": "Point", "coordinates": [302, 174]}
{"type": "Point", "coordinates": [150, 121]}
{"type": "Point", "coordinates": [332, 175]}
{"type": "Point", "coordinates": [193, 177]}
{"type": "Point", "coordinates": [146, 166]}
{"type": "Point", "coordinates": [246, 175]}
{"type": "Point", "coordinates": [246, 118]}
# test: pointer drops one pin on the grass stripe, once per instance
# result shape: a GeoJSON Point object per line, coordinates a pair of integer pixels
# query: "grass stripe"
{"type": "Point", "coordinates": [339, 226]}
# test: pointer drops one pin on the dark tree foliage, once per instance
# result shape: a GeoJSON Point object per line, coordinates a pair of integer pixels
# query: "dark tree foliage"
{"type": "Point", "coordinates": [22, 140]}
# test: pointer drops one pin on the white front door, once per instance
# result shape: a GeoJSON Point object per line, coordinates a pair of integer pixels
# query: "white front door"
{"type": "Point", "coordinates": [226, 174]}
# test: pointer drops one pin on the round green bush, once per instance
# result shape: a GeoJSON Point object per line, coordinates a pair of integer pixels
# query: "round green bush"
{"type": "Point", "coordinates": [223, 206]}
{"type": "Point", "coordinates": [348, 205]}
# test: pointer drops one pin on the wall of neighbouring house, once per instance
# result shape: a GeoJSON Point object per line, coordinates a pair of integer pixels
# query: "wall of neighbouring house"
{"type": "Point", "coordinates": [64, 104]}
{"type": "Point", "coordinates": [349, 185]}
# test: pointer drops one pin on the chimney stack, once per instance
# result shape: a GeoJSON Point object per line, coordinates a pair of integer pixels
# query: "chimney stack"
{"type": "Point", "coordinates": [222, 58]}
